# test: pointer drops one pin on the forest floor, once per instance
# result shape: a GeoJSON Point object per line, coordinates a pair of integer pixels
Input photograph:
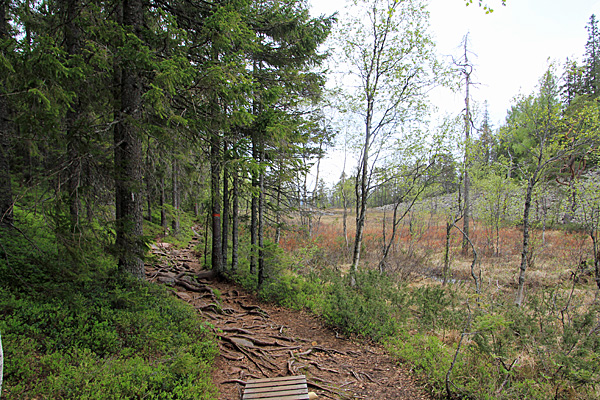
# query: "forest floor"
{"type": "Point", "coordinates": [261, 340]}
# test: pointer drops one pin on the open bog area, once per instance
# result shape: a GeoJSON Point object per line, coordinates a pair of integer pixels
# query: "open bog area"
{"type": "Point", "coordinates": [466, 334]}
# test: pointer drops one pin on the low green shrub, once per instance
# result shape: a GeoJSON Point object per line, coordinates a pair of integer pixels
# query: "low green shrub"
{"type": "Point", "coordinates": [372, 308]}
{"type": "Point", "coordinates": [96, 334]}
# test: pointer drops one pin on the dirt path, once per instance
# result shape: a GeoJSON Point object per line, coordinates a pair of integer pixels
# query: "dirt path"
{"type": "Point", "coordinates": [261, 340]}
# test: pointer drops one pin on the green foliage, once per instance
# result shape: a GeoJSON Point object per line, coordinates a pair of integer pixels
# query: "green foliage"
{"type": "Point", "coordinates": [427, 353]}
{"type": "Point", "coordinates": [101, 336]}
{"type": "Point", "coordinates": [372, 308]}
{"type": "Point", "coordinates": [497, 201]}
{"type": "Point", "coordinates": [547, 348]}
{"type": "Point", "coordinates": [435, 307]}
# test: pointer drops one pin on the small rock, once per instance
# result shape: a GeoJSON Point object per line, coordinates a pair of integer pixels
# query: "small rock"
{"type": "Point", "coordinates": [242, 342]}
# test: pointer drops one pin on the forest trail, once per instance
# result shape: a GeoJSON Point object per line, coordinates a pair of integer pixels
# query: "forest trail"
{"type": "Point", "coordinates": [260, 340]}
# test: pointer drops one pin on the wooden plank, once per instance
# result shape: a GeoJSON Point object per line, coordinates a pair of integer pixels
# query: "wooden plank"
{"type": "Point", "coordinates": [296, 394]}
{"type": "Point", "coordinates": [282, 388]}
{"type": "Point", "coordinates": [280, 383]}
{"type": "Point", "coordinates": [265, 389]}
{"type": "Point", "coordinates": [278, 379]}
{"type": "Point", "coordinates": [292, 397]}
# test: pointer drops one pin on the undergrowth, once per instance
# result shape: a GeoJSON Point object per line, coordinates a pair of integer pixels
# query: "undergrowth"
{"type": "Point", "coordinates": [78, 329]}
{"type": "Point", "coordinates": [461, 344]}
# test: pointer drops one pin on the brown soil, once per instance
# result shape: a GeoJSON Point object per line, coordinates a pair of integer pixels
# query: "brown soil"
{"type": "Point", "coordinates": [260, 340]}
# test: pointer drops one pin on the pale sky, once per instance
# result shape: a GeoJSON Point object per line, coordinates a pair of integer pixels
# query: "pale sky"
{"type": "Point", "coordinates": [511, 47]}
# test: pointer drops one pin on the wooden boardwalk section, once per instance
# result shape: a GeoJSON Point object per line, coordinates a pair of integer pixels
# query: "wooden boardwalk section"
{"type": "Point", "coordinates": [285, 388]}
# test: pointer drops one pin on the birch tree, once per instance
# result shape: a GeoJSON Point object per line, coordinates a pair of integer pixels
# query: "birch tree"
{"type": "Point", "coordinates": [387, 49]}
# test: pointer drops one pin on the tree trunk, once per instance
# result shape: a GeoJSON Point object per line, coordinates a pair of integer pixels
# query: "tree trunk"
{"type": "Point", "coordinates": [72, 43]}
{"type": "Point", "coordinates": [235, 221]}
{"type": "Point", "coordinates": [596, 258]}
{"type": "Point", "coordinates": [176, 224]}
{"type": "Point", "coordinates": [163, 212]}
{"type": "Point", "coordinates": [254, 209]}
{"type": "Point", "coordinates": [149, 178]}
{"type": "Point", "coordinates": [278, 212]}
{"type": "Point", "coordinates": [128, 156]}
{"type": "Point", "coordinates": [225, 234]}
{"type": "Point", "coordinates": [1, 364]}
{"type": "Point", "coordinates": [384, 248]}
{"type": "Point", "coordinates": [345, 218]}
{"type": "Point", "coordinates": [525, 250]}
{"type": "Point", "coordinates": [467, 69]}
{"type": "Point", "coordinates": [261, 210]}
{"type": "Point", "coordinates": [73, 48]}
{"type": "Point", "coordinates": [361, 188]}
{"type": "Point", "coordinates": [6, 199]}
{"type": "Point", "coordinates": [74, 175]}
{"type": "Point", "coordinates": [446, 268]}
{"type": "Point", "coordinates": [215, 175]}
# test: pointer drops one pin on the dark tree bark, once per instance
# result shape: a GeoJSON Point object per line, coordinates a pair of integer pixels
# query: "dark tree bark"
{"type": "Point", "coordinates": [525, 249]}
{"type": "Point", "coordinates": [467, 70]}
{"type": "Point", "coordinates": [73, 47]}
{"type": "Point", "coordinates": [278, 213]}
{"type": "Point", "coordinates": [235, 221]}
{"type": "Point", "coordinates": [176, 225]}
{"type": "Point", "coordinates": [254, 209]}
{"type": "Point", "coordinates": [6, 198]}
{"type": "Point", "coordinates": [215, 175]}
{"type": "Point", "coordinates": [163, 212]}
{"type": "Point", "coordinates": [261, 243]}
{"type": "Point", "coordinates": [128, 156]}
{"type": "Point", "coordinates": [149, 178]}
{"type": "Point", "coordinates": [362, 192]}
{"type": "Point", "coordinates": [225, 233]}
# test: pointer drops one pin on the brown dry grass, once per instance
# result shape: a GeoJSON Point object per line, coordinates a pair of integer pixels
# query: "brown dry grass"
{"type": "Point", "coordinates": [417, 252]}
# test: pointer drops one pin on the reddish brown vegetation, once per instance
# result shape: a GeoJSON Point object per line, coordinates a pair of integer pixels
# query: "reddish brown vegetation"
{"type": "Point", "coordinates": [420, 241]}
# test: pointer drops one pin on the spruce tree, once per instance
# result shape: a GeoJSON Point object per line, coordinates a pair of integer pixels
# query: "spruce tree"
{"type": "Point", "coordinates": [6, 198]}
{"type": "Point", "coordinates": [592, 59]}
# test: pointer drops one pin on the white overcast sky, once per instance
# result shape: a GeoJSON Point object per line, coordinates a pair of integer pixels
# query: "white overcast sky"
{"type": "Point", "coordinates": [512, 46]}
